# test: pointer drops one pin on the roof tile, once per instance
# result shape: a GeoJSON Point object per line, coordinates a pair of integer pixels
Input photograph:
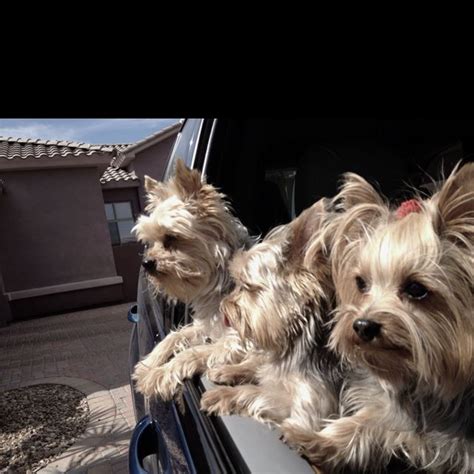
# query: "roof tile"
{"type": "Point", "coordinates": [117, 174]}
{"type": "Point", "coordinates": [23, 148]}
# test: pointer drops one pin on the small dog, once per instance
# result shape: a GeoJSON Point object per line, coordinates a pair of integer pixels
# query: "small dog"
{"type": "Point", "coordinates": [281, 301]}
{"type": "Point", "coordinates": [404, 283]}
{"type": "Point", "coordinates": [190, 236]}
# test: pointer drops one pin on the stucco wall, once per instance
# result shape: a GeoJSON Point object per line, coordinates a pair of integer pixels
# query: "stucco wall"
{"type": "Point", "coordinates": [53, 229]}
{"type": "Point", "coordinates": [5, 312]}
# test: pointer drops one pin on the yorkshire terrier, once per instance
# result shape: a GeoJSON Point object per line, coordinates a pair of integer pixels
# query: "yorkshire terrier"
{"type": "Point", "coordinates": [405, 283]}
{"type": "Point", "coordinates": [190, 235]}
{"type": "Point", "coordinates": [281, 303]}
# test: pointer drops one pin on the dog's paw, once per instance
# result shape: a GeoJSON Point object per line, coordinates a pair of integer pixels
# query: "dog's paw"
{"type": "Point", "coordinates": [216, 402]}
{"type": "Point", "coordinates": [139, 372]}
{"type": "Point", "coordinates": [159, 382]}
{"type": "Point", "coordinates": [163, 357]}
{"type": "Point", "coordinates": [318, 449]}
{"type": "Point", "coordinates": [223, 375]}
{"type": "Point", "coordinates": [162, 354]}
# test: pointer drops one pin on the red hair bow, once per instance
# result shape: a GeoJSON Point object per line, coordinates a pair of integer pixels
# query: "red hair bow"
{"type": "Point", "coordinates": [407, 207]}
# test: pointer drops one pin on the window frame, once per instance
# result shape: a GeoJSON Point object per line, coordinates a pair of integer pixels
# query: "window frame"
{"type": "Point", "coordinates": [117, 220]}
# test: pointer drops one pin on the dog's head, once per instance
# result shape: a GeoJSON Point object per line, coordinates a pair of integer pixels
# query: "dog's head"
{"type": "Point", "coordinates": [189, 235]}
{"type": "Point", "coordinates": [279, 283]}
{"type": "Point", "coordinates": [404, 281]}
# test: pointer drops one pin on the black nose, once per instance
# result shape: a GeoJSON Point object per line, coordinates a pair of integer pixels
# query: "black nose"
{"type": "Point", "coordinates": [366, 329]}
{"type": "Point", "coordinates": [149, 265]}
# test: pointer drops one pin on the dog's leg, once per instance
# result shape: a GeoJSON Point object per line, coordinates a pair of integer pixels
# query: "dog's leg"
{"type": "Point", "coordinates": [354, 441]}
{"type": "Point", "coordinates": [248, 400]}
{"type": "Point", "coordinates": [233, 374]}
{"type": "Point", "coordinates": [164, 381]}
{"type": "Point", "coordinates": [174, 342]}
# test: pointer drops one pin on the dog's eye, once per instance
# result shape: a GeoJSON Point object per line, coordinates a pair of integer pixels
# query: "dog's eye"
{"type": "Point", "coordinates": [361, 284]}
{"type": "Point", "coordinates": [416, 290]}
{"type": "Point", "coordinates": [169, 242]}
{"type": "Point", "coordinates": [250, 288]}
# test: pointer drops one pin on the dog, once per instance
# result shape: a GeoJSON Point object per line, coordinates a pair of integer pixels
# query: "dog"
{"type": "Point", "coordinates": [404, 282]}
{"type": "Point", "coordinates": [281, 302]}
{"type": "Point", "coordinates": [190, 236]}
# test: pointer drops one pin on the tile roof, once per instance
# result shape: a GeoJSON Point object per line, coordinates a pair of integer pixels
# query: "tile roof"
{"type": "Point", "coordinates": [23, 148]}
{"type": "Point", "coordinates": [117, 174]}
{"type": "Point", "coordinates": [119, 146]}
{"type": "Point", "coordinates": [27, 148]}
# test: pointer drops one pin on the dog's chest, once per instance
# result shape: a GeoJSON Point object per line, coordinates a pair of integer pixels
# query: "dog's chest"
{"type": "Point", "coordinates": [433, 415]}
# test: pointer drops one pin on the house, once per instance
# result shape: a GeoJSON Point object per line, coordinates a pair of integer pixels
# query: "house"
{"type": "Point", "coordinates": [66, 211]}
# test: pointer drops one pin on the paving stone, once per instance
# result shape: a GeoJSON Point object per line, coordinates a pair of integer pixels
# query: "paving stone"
{"type": "Point", "coordinates": [103, 468]}
{"type": "Point", "coordinates": [87, 350]}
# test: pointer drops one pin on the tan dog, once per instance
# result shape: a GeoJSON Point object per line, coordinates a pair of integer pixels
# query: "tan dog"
{"type": "Point", "coordinates": [190, 236]}
{"type": "Point", "coordinates": [282, 299]}
{"type": "Point", "coordinates": [405, 283]}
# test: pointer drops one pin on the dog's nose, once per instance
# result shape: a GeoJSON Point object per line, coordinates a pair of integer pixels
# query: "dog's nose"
{"type": "Point", "coordinates": [366, 329]}
{"type": "Point", "coordinates": [149, 265]}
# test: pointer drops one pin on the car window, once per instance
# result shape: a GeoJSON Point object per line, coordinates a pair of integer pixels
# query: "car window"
{"type": "Point", "coordinates": [185, 146]}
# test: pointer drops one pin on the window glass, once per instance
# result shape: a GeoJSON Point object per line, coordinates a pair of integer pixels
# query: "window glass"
{"type": "Point", "coordinates": [109, 211]}
{"type": "Point", "coordinates": [123, 210]}
{"type": "Point", "coordinates": [125, 231]}
{"type": "Point", "coordinates": [120, 221]}
{"type": "Point", "coordinates": [114, 233]}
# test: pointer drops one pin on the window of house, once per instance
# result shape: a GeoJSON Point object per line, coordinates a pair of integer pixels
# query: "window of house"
{"type": "Point", "coordinates": [120, 220]}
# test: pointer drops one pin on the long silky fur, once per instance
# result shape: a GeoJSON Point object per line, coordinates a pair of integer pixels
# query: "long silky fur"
{"type": "Point", "coordinates": [193, 268]}
{"type": "Point", "coordinates": [281, 302]}
{"type": "Point", "coordinates": [411, 393]}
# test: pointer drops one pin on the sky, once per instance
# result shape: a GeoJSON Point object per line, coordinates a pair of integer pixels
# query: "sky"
{"type": "Point", "coordinates": [94, 131]}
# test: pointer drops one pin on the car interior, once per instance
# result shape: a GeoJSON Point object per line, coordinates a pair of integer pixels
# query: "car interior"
{"type": "Point", "coordinates": [271, 170]}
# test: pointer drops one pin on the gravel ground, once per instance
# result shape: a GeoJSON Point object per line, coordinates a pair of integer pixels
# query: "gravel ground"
{"type": "Point", "coordinates": [38, 423]}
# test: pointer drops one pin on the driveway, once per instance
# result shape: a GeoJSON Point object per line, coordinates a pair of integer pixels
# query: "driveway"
{"type": "Point", "coordinates": [87, 350]}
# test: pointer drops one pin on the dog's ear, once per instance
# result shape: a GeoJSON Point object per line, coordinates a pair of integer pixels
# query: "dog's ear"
{"type": "Point", "coordinates": [268, 333]}
{"type": "Point", "coordinates": [360, 204]}
{"type": "Point", "coordinates": [282, 314]}
{"type": "Point", "coordinates": [155, 191]}
{"type": "Point", "coordinates": [150, 184]}
{"type": "Point", "coordinates": [355, 190]}
{"type": "Point", "coordinates": [362, 208]}
{"type": "Point", "coordinates": [188, 182]}
{"type": "Point", "coordinates": [454, 205]}
{"type": "Point", "coordinates": [265, 329]}
{"type": "Point", "coordinates": [255, 322]}
{"type": "Point", "coordinates": [307, 233]}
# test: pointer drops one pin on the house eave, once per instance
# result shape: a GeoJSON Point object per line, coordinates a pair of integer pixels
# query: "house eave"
{"type": "Point", "coordinates": [121, 184]}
